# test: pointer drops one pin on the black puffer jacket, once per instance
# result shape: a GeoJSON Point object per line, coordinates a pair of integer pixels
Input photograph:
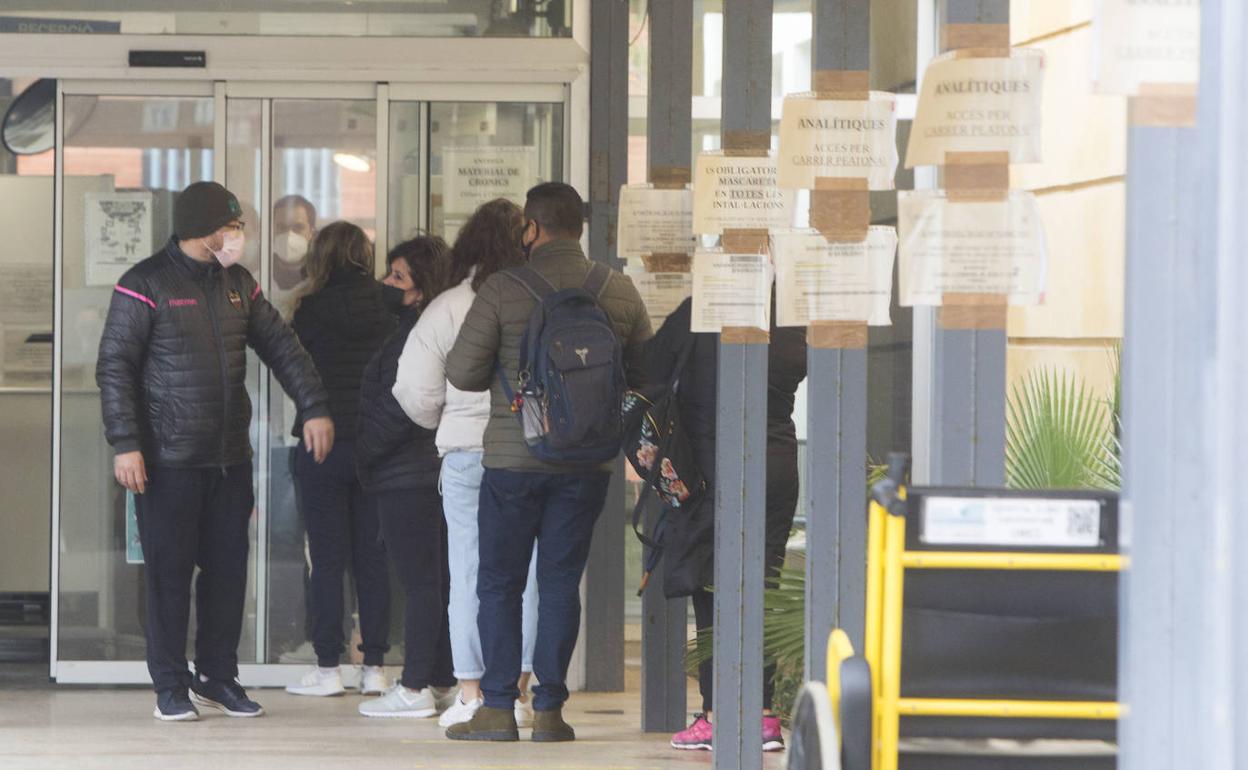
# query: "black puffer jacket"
{"type": "Point", "coordinates": [173, 361]}
{"type": "Point", "coordinates": [342, 326]}
{"type": "Point", "coordinates": [689, 540]}
{"type": "Point", "coordinates": [392, 452]}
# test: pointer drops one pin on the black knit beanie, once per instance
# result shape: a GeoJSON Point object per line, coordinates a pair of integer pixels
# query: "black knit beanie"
{"type": "Point", "coordinates": [202, 209]}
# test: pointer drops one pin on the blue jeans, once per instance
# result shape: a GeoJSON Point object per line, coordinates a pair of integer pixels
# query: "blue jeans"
{"type": "Point", "coordinates": [558, 511]}
{"type": "Point", "coordinates": [461, 492]}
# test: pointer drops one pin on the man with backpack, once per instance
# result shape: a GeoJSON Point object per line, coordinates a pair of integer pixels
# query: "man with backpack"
{"type": "Point", "coordinates": [557, 343]}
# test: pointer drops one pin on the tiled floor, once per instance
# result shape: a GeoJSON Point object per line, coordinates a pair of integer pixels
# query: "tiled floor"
{"type": "Point", "coordinates": [48, 727]}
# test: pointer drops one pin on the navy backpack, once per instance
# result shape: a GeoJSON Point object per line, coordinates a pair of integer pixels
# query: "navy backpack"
{"type": "Point", "coordinates": [570, 386]}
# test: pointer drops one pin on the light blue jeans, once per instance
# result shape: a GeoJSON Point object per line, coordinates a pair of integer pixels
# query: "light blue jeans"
{"type": "Point", "coordinates": [461, 491]}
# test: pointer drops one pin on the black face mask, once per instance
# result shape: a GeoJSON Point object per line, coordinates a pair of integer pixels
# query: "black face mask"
{"type": "Point", "coordinates": [392, 296]}
{"type": "Point", "coordinates": [527, 248]}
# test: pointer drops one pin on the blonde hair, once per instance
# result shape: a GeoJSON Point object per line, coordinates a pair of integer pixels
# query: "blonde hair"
{"type": "Point", "coordinates": [338, 246]}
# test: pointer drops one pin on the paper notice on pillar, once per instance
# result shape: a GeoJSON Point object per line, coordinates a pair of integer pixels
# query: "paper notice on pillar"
{"type": "Point", "coordinates": [979, 105]}
{"type": "Point", "coordinates": [841, 139]}
{"type": "Point", "coordinates": [654, 222]}
{"type": "Point", "coordinates": [955, 247]}
{"type": "Point", "coordinates": [739, 193]}
{"type": "Point", "coordinates": [475, 175]}
{"type": "Point", "coordinates": [821, 281]}
{"type": "Point", "coordinates": [1145, 41]}
{"type": "Point", "coordinates": [730, 290]}
{"type": "Point", "coordinates": [118, 234]}
{"type": "Point", "coordinates": [661, 292]}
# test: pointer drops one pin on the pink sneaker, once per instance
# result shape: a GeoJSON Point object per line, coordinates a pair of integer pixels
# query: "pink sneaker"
{"type": "Point", "coordinates": [773, 739]}
{"type": "Point", "coordinates": [697, 736]}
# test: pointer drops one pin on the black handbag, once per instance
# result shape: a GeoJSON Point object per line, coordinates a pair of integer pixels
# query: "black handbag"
{"type": "Point", "coordinates": [660, 452]}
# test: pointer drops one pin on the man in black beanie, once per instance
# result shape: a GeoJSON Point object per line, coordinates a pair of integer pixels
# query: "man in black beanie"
{"type": "Point", "coordinates": [171, 372]}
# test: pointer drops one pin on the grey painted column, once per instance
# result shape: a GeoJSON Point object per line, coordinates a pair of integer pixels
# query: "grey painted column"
{"type": "Point", "coordinates": [1185, 355]}
{"type": "Point", "coordinates": [608, 169]}
{"type": "Point", "coordinates": [741, 438]}
{"type": "Point", "coordinates": [968, 378]}
{"type": "Point", "coordinates": [836, 414]}
{"type": "Point", "coordinates": [665, 622]}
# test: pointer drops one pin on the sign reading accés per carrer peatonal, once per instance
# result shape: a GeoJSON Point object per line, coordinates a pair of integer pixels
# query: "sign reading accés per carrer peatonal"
{"type": "Point", "coordinates": [841, 139]}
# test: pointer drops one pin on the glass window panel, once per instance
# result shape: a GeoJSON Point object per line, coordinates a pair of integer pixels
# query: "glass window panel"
{"type": "Point", "coordinates": [26, 275]}
{"type": "Point", "coordinates": [484, 150]}
{"type": "Point", "coordinates": [132, 149]}
{"type": "Point", "coordinates": [324, 169]}
{"type": "Point", "coordinates": [334, 18]}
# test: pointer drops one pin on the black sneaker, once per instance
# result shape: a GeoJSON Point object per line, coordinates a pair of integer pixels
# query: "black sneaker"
{"type": "Point", "coordinates": [174, 706]}
{"type": "Point", "coordinates": [229, 697]}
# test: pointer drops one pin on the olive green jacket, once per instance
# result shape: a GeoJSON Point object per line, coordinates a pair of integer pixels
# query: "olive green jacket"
{"type": "Point", "coordinates": [495, 324]}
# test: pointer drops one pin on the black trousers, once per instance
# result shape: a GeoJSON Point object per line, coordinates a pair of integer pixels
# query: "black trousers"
{"type": "Point", "coordinates": [343, 526]}
{"type": "Point", "coordinates": [415, 538]}
{"type": "Point", "coordinates": [192, 517]}
{"type": "Point", "coordinates": [781, 508]}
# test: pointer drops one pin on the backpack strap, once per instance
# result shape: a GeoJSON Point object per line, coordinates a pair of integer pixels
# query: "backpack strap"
{"type": "Point", "coordinates": [596, 279]}
{"type": "Point", "coordinates": [531, 280]}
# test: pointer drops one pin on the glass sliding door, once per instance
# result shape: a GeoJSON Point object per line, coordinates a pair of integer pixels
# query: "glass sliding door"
{"type": "Point", "coordinates": [396, 160]}
{"type": "Point", "coordinates": [121, 171]}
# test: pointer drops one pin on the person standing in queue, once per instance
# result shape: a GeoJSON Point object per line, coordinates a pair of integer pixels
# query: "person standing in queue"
{"type": "Point", "coordinates": [488, 242]}
{"type": "Point", "coordinates": [171, 372]}
{"type": "Point", "coordinates": [525, 500]}
{"type": "Point", "coordinates": [342, 320]}
{"type": "Point", "coordinates": [398, 465]}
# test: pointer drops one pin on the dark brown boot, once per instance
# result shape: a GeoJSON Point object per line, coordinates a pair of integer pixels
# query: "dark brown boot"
{"type": "Point", "coordinates": [486, 725]}
{"type": "Point", "coordinates": [549, 727]}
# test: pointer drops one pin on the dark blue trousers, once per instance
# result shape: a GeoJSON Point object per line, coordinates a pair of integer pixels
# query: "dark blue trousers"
{"type": "Point", "coordinates": [343, 528]}
{"type": "Point", "coordinates": [557, 511]}
{"type": "Point", "coordinates": [194, 517]}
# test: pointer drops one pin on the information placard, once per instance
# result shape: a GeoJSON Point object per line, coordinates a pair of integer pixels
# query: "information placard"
{"type": "Point", "coordinates": [841, 139]}
{"type": "Point", "coordinates": [1011, 522]}
{"type": "Point", "coordinates": [740, 193]}
{"type": "Point", "coordinates": [1145, 41]}
{"type": "Point", "coordinates": [474, 175]}
{"type": "Point", "coordinates": [821, 281]}
{"type": "Point", "coordinates": [662, 292]}
{"type": "Point", "coordinates": [730, 290]}
{"type": "Point", "coordinates": [654, 221]}
{"type": "Point", "coordinates": [118, 232]}
{"type": "Point", "coordinates": [957, 247]}
{"type": "Point", "coordinates": [979, 105]}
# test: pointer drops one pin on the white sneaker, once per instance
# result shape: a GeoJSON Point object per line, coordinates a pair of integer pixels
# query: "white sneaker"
{"type": "Point", "coordinates": [524, 712]}
{"type": "Point", "coordinates": [321, 682]}
{"type": "Point", "coordinates": [459, 712]}
{"type": "Point", "coordinates": [373, 681]}
{"type": "Point", "coordinates": [401, 702]}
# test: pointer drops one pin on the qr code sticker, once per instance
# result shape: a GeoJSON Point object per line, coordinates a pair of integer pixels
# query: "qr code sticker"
{"type": "Point", "coordinates": [1082, 522]}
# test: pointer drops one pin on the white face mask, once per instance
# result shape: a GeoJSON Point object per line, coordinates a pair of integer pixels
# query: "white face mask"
{"type": "Point", "coordinates": [231, 250]}
{"type": "Point", "coordinates": [290, 247]}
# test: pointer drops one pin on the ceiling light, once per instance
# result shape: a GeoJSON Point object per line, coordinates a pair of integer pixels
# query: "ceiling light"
{"type": "Point", "coordinates": [352, 162]}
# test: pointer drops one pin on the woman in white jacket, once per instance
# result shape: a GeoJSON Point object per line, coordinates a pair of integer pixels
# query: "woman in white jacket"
{"type": "Point", "coordinates": [488, 242]}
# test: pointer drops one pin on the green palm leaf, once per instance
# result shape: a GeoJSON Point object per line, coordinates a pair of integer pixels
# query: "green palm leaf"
{"type": "Point", "coordinates": [1058, 435]}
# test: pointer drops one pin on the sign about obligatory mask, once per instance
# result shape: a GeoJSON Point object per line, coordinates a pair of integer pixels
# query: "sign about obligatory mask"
{"type": "Point", "coordinates": [838, 139]}
{"type": "Point", "coordinates": [739, 193]}
{"type": "Point", "coordinates": [730, 290]}
{"type": "Point", "coordinates": [475, 175]}
{"type": "Point", "coordinates": [1145, 41]}
{"type": "Point", "coordinates": [662, 292]}
{"type": "Point", "coordinates": [979, 105]}
{"type": "Point", "coordinates": [654, 221]}
{"type": "Point", "coordinates": [956, 247]}
{"type": "Point", "coordinates": [821, 281]}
